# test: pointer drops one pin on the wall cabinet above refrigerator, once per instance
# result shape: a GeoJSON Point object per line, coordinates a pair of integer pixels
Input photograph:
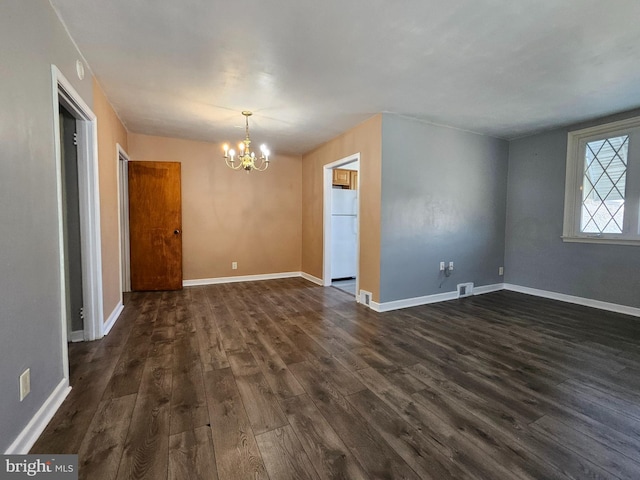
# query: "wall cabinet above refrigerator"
{"type": "Point", "coordinates": [347, 179]}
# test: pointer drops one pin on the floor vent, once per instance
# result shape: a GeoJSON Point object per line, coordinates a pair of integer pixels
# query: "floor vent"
{"type": "Point", "coordinates": [465, 289]}
{"type": "Point", "coordinates": [365, 297]}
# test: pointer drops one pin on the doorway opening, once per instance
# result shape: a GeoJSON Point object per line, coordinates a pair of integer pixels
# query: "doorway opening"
{"type": "Point", "coordinates": [342, 224]}
{"type": "Point", "coordinates": [123, 220]}
{"type": "Point", "coordinates": [71, 225]}
{"type": "Point", "coordinates": [84, 256]}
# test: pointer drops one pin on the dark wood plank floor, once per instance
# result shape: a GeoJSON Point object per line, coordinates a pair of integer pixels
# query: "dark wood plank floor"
{"type": "Point", "coordinates": [287, 380]}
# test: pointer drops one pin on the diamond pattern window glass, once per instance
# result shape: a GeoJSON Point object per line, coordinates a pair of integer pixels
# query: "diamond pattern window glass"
{"type": "Point", "coordinates": [604, 184]}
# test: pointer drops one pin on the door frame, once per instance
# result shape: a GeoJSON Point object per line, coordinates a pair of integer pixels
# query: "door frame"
{"type": "Point", "coordinates": [64, 94]}
{"type": "Point", "coordinates": [326, 195]}
{"type": "Point", "coordinates": [123, 220]}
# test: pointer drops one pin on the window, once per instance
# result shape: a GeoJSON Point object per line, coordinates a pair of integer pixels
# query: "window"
{"type": "Point", "coordinates": [602, 191]}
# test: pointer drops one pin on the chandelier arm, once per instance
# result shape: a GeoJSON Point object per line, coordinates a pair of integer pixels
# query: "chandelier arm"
{"type": "Point", "coordinates": [233, 165]}
{"type": "Point", "coordinates": [264, 164]}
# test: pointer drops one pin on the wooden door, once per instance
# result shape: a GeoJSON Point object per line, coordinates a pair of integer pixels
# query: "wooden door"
{"type": "Point", "coordinates": [155, 225]}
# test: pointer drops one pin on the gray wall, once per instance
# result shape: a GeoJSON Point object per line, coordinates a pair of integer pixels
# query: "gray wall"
{"type": "Point", "coordinates": [443, 199]}
{"type": "Point", "coordinates": [31, 39]}
{"type": "Point", "coordinates": [535, 255]}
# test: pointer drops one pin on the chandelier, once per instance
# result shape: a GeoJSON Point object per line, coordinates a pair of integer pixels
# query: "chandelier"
{"type": "Point", "coordinates": [246, 159]}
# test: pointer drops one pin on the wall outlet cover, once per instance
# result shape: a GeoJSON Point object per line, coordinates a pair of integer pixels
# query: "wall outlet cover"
{"type": "Point", "coordinates": [25, 383]}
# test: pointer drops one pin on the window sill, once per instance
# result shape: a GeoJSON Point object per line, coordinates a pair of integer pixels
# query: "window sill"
{"type": "Point", "coordinates": [609, 241]}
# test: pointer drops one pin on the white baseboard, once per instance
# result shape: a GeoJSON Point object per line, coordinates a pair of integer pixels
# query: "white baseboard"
{"type": "Point", "coordinates": [311, 278]}
{"type": "Point", "coordinates": [108, 325]}
{"type": "Point", "coordinates": [25, 440]}
{"type": "Point", "coordinates": [438, 297]}
{"type": "Point", "coordinates": [441, 297]}
{"type": "Point", "coordinates": [496, 287]}
{"type": "Point", "coordinates": [251, 278]}
{"type": "Point", "coordinates": [587, 302]}
{"type": "Point", "coordinates": [76, 336]}
{"type": "Point", "coordinates": [412, 302]}
{"type": "Point", "coordinates": [239, 278]}
{"type": "Point", "coordinates": [416, 301]}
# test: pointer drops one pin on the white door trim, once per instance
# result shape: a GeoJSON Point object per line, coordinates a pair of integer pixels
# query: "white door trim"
{"type": "Point", "coordinates": [123, 220]}
{"type": "Point", "coordinates": [327, 186]}
{"type": "Point", "coordinates": [64, 94]}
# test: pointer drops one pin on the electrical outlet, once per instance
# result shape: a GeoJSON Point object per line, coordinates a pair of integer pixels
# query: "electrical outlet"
{"type": "Point", "coordinates": [25, 383]}
{"type": "Point", "coordinates": [234, 265]}
{"type": "Point", "coordinates": [500, 270]}
{"type": "Point", "coordinates": [442, 266]}
{"type": "Point", "coordinates": [450, 265]}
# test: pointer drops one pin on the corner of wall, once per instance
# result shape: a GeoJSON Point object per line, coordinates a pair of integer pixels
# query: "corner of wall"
{"type": "Point", "coordinates": [366, 139]}
{"type": "Point", "coordinates": [111, 132]}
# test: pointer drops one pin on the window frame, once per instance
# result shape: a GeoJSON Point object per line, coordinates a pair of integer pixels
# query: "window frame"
{"type": "Point", "coordinates": [576, 144]}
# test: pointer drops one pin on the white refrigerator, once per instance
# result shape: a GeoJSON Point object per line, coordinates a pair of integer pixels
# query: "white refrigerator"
{"type": "Point", "coordinates": [344, 233]}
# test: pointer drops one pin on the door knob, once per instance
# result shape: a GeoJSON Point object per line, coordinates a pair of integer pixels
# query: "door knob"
{"type": "Point", "coordinates": [176, 232]}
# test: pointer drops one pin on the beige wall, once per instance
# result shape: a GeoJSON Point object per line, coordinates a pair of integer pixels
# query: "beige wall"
{"type": "Point", "coordinates": [366, 139]}
{"type": "Point", "coordinates": [110, 132]}
{"type": "Point", "coordinates": [229, 216]}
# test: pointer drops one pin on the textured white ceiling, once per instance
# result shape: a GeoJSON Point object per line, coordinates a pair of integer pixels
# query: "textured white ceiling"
{"type": "Point", "coordinates": [312, 69]}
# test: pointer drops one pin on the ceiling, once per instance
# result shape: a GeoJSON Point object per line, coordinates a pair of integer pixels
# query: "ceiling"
{"type": "Point", "coordinates": [309, 70]}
